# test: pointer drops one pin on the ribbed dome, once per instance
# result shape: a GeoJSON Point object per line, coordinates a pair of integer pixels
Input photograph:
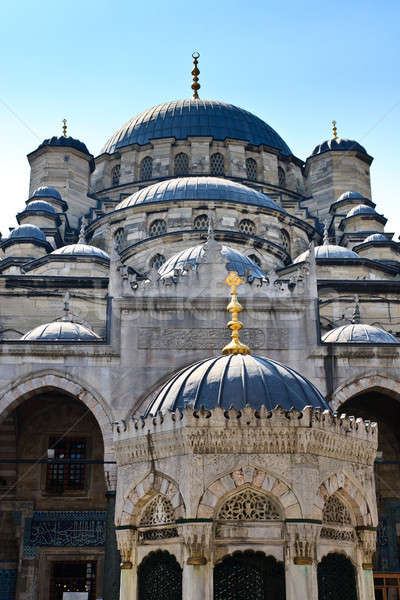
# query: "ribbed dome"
{"type": "Point", "coordinates": [338, 144]}
{"type": "Point", "coordinates": [376, 237]}
{"type": "Point", "coordinates": [236, 262]}
{"type": "Point", "coordinates": [235, 381]}
{"type": "Point", "coordinates": [27, 231]}
{"type": "Point", "coordinates": [351, 195]}
{"type": "Point", "coordinates": [199, 188]}
{"type": "Point", "coordinates": [40, 205]}
{"type": "Point", "coordinates": [61, 331]}
{"type": "Point", "coordinates": [67, 142]}
{"type": "Point", "coordinates": [81, 250]}
{"type": "Point", "coordinates": [361, 209]}
{"type": "Point", "coordinates": [181, 119]}
{"type": "Point", "coordinates": [327, 251]}
{"type": "Point", "coordinates": [46, 192]}
{"type": "Point", "coordinates": [359, 333]}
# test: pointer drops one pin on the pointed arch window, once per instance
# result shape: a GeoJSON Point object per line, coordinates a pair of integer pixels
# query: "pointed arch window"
{"type": "Point", "coordinates": [281, 177]}
{"type": "Point", "coordinates": [146, 168]}
{"type": "Point", "coordinates": [249, 505]}
{"type": "Point", "coordinates": [251, 169]}
{"type": "Point", "coordinates": [201, 222]}
{"type": "Point", "coordinates": [217, 164]}
{"type": "Point", "coordinates": [181, 164]}
{"type": "Point", "coordinates": [157, 227]}
{"type": "Point", "coordinates": [115, 174]}
{"type": "Point", "coordinates": [337, 523]}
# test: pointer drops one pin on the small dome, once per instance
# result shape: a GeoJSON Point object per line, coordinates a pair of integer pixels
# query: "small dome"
{"type": "Point", "coordinates": [46, 192]}
{"type": "Point", "coordinates": [68, 142]}
{"type": "Point", "coordinates": [361, 209]}
{"type": "Point", "coordinates": [235, 381]}
{"type": "Point", "coordinates": [236, 262]}
{"type": "Point", "coordinates": [40, 205]}
{"type": "Point", "coordinates": [181, 119]}
{"type": "Point", "coordinates": [376, 237]}
{"type": "Point", "coordinates": [338, 144]}
{"type": "Point", "coordinates": [327, 251]}
{"type": "Point", "coordinates": [81, 250]}
{"type": "Point", "coordinates": [199, 188]}
{"type": "Point", "coordinates": [61, 331]}
{"type": "Point", "coordinates": [27, 231]}
{"type": "Point", "coordinates": [359, 333]}
{"type": "Point", "coordinates": [351, 195]}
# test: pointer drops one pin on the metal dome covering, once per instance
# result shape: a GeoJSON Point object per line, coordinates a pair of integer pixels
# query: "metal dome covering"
{"type": "Point", "coordinates": [65, 141]}
{"type": "Point", "coordinates": [361, 209]}
{"type": "Point", "coordinates": [359, 333]}
{"type": "Point", "coordinates": [199, 188]}
{"type": "Point", "coordinates": [376, 237]}
{"type": "Point", "coordinates": [235, 381]}
{"type": "Point", "coordinates": [46, 192]}
{"type": "Point", "coordinates": [327, 251]}
{"type": "Point", "coordinates": [40, 205]}
{"type": "Point", "coordinates": [27, 231]}
{"type": "Point", "coordinates": [61, 331]}
{"type": "Point", "coordinates": [181, 119]}
{"type": "Point", "coordinates": [340, 144]}
{"type": "Point", "coordinates": [351, 195]}
{"type": "Point", "coordinates": [81, 250]}
{"type": "Point", "coordinates": [236, 261]}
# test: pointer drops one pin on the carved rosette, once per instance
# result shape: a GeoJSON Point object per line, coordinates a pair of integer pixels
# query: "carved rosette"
{"type": "Point", "coordinates": [125, 541]}
{"type": "Point", "coordinates": [367, 542]}
{"type": "Point", "coordinates": [197, 539]}
{"type": "Point", "coordinates": [302, 542]}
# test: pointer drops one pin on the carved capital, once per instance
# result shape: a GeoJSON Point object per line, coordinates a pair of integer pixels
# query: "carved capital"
{"type": "Point", "coordinates": [125, 540]}
{"type": "Point", "coordinates": [367, 542]}
{"type": "Point", "coordinates": [197, 538]}
{"type": "Point", "coordinates": [302, 541]}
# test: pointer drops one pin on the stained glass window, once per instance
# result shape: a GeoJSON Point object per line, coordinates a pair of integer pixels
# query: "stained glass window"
{"type": "Point", "coordinates": [247, 226]}
{"type": "Point", "coordinates": [157, 227]}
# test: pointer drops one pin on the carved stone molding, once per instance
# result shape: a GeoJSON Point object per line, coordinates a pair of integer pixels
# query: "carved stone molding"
{"type": "Point", "coordinates": [126, 538]}
{"type": "Point", "coordinates": [301, 542]}
{"type": "Point", "coordinates": [197, 539]}
{"type": "Point", "coordinates": [367, 542]}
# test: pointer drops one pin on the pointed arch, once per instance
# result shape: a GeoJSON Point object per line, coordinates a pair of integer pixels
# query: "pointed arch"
{"type": "Point", "coordinates": [367, 383]}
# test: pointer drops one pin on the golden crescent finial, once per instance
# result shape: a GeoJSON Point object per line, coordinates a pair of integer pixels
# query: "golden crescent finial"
{"type": "Point", "coordinates": [195, 73]}
{"type": "Point", "coordinates": [235, 346]}
{"type": "Point", "coordinates": [64, 127]}
{"type": "Point", "coordinates": [334, 128]}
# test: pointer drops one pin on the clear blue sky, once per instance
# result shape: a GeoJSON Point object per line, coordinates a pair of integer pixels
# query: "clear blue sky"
{"type": "Point", "coordinates": [297, 65]}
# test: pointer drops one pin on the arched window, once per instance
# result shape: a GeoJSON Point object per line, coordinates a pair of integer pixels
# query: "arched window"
{"type": "Point", "coordinates": [249, 574]}
{"type": "Point", "coordinates": [157, 261]}
{"type": "Point", "coordinates": [159, 576]}
{"type": "Point", "coordinates": [285, 240]}
{"type": "Point", "coordinates": [336, 578]}
{"type": "Point", "coordinates": [157, 227]}
{"type": "Point", "coordinates": [158, 512]}
{"type": "Point", "coordinates": [146, 168]}
{"type": "Point", "coordinates": [217, 164]}
{"type": "Point", "coordinates": [249, 505]}
{"type": "Point", "coordinates": [201, 222]}
{"type": "Point", "coordinates": [115, 173]}
{"type": "Point", "coordinates": [181, 164]}
{"type": "Point", "coordinates": [281, 177]}
{"type": "Point", "coordinates": [251, 169]}
{"type": "Point", "coordinates": [247, 226]}
{"type": "Point", "coordinates": [255, 259]}
{"type": "Point", "coordinates": [336, 520]}
{"type": "Point", "coordinates": [119, 237]}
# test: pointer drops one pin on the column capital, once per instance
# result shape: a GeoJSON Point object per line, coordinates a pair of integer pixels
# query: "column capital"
{"type": "Point", "coordinates": [301, 541]}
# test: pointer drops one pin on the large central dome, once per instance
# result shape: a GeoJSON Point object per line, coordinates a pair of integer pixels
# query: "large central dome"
{"type": "Point", "coordinates": [181, 119]}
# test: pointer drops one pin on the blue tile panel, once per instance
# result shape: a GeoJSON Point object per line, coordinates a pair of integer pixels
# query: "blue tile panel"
{"type": "Point", "coordinates": [8, 580]}
{"type": "Point", "coordinates": [181, 119]}
{"type": "Point", "coordinates": [387, 544]}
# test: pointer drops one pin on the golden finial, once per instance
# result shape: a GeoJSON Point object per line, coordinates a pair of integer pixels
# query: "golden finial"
{"type": "Point", "coordinates": [195, 73]}
{"type": "Point", "coordinates": [64, 127]}
{"type": "Point", "coordinates": [235, 346]}
{"type": "Point", "coordinates": [334, 128]}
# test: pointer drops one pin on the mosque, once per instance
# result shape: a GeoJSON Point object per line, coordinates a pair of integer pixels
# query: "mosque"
{"type": "Point", "coordinates": [153, 445]}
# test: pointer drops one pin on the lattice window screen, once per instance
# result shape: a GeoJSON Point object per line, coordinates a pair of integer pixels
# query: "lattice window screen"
{"type": "Point", "coordinates": [115, 173]}
{"type": "Point", "coordinates": [157, 227]}
{"type": "Point", "coordinates": [247, 226]}
{"type": "Point", "coordinates": [158, 512]}
{"type": "Point", "coordinates": [217, 164]}
{"type": "Point", "coordinates": [249, 505]}
{"type": "Point", "coordinates": [251, 169]}
{"type": "Point", "coordinates": [336, 512]}
{"type": "Point", "coordinates": [181, 164]}
{"type": "Point", "coordinates": [201, 222]}
{"type": "Point", "coordinates": [281, 177]}
{"type": "Point", "coordinates": [157, 261]}
{"type": "Point", "coordinates": [146, 168]}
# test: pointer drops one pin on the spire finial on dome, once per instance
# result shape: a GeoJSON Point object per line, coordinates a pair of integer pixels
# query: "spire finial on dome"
{"type": "Point", "coordinates": [326, 233]}
{"type": "Point", "coordinates": [82, 239]}
{"type": "Point", "coordinates": [195, 73]}
{"type": "Point", "coordinates": [64, 127]}
{"type": "Point", "coordinates": [66, 316]}
{"type": "Point", "coordinates": [235, 346]}
{"type": "Point", "coordinates": [356, 318]}
{"type": "Point", "coordinates": [334, 129]}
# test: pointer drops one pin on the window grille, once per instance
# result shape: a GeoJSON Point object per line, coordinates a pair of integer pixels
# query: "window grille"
{"type": "Point", "coordinates": [119, 238]}
{"type": "Point", "coordinates": [336, 512]}
{"type": "Point", "coordinates": [146, 168]}
{"type": "Point", "coordinates": [159, 576]}
{"type": "Point", "coordinates": [115, 174]}
{"type": "Point", "coordinates": [281, 177]}
{"type": "Point", "coordinates": [181, 164]}
{"type": "Point", "coordinates": [217, 164]}
{"type": "Point", "coordinates": [250, 505]}
{"type": "Point", "coordinates": [336, 578]}
{"type": "Point", "coordinates": [285, 240]}
{"type": "Point", "coordinates": [247, 226]}
{"type": "Point", "coordinates": [66, 476]}
{"type": "Point", "coordinates": [157, 261]}
{"type": "Point", "coordinates": [73, 577]}
{"type": "Point", "coordinates": [251, 169]}
{"type": "Point", "coordinates": [255, 259]}
{"type": "Point", "coordinates": [201, 222]}
{"type": "Point", "coordinates": [158, 512]}
{"type": "Point", "coordinates": [157, 227]}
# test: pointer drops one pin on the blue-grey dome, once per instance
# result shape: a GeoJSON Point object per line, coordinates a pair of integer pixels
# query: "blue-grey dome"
{"type": "Point", "coordinates": [338, 144]}
{"type": "Point", "coordinates": [327, 251]}
{"type": "Point", "coordinates": [46, 192]}
{"type": "Point", "coordinates": [359, 333]}
{"type": "Point", "coordinates": [40, 205]}
{"type": "Point", "coordinates": [61, 331]}
{"type": "Point", "coordinates": [235, 381]}
{"type": "Point", "coordinates": [376, 237]}
{"type": "Point", "coordinates": [361, 209]}
{"type": "Point", "coordinates": [81, 250]}
{"type": "Point", "coordinates": [199, 188]}
{"type": "Point", "coordinates": [27, 231]}
{"type": "Point", "coordinates": [351, 195]}
{"type": "Point", "coordinates": [181, 119]}
{"type": "Point", "coordinates": [67, 142]}
{"type": "Point", "coordinates": [238, 262]}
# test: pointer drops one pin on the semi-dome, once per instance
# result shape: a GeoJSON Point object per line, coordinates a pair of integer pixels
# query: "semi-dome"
{"type": "Point", "coordinates": [328, 251]}
{"type": "Point", "coordinates": [27, 231]}
{"type": "Point", "coordinates": [340, 144]}
{"type": "Point", "coordinates": [376, 237]}
{"type": "Point", "coordinates": [40, 206]}
{"type": "Point", "coordinates": [359, 333]}
{"type": "Point", "coordinates": [351, 195]}
{"type": "Point", "coordinates": [235, 381]}
{"type": "Point", "coordinates": [46, 192]}
{"type": "Point", "coordinates": [199, 188]}
{"type": "Point", "coordinates": [181, 119]}
{"type": "Point", "coordinates": [67, 142]}
{"type": "Point", "coordinates": [61, 331]}
{"type": "Point", "coordinates": [361, 209]}
{"type": "Point", "coordinates": [80, 249]}
{"type": "Point", "coordinates": [243, 265]}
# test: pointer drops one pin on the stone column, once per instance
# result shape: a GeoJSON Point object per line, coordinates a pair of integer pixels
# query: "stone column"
{"type": "Point", "coordinates": [367, 547]}
{"type": "Point", "coordinates": [301, 565]}
{"type": "Point", "coordinates": [128, 579]}
{"type": "Point", "coordinates": [197, 577]}
{"type": "Point", "coordinates": [111, 553]}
